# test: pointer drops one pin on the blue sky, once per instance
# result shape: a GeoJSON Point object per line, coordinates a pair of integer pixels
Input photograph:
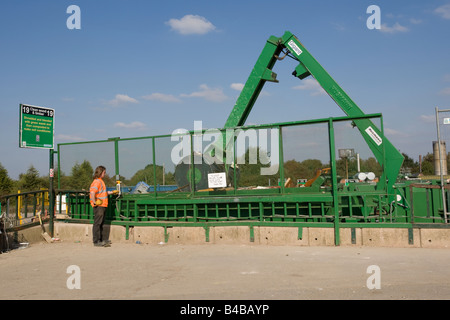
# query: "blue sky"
{"type": "Point", "coordinates": [139, 68]}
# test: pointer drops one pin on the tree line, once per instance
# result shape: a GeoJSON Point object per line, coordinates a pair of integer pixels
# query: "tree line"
{"type": "Point", "coordinates": [80, 178]}
{"type": "Point", "coordinates": [81, 174]}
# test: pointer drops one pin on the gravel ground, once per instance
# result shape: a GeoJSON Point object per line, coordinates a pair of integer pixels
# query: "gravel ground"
{"type": "Point", "coordinates": [222, 272]}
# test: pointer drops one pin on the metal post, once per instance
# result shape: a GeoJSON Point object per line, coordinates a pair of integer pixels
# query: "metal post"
{"type": "Point", "coordinates": [441, 165]}
{"type": "Point", "coordinates": [155, 192]}
{"type": "Point", "coordinates": [116, 157]}
{"type": "Point", "coordinates": [59, 167]}
{"type": "Point", "coordinates": [358, 164]}
{"type": "Point", "coordinates": [346, 168]}
{"type": "Point", "coordinates": [332, 145]}
{"type": "Point", "coordinates": [280, 158]}
{"type": "Point", "coordinates": [51, 204]}
{"type": "Point", "coordinates": [192, 166]}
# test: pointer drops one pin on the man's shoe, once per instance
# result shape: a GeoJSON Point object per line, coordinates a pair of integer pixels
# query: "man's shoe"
{"type": "Point", "coordinates": [101, 244]}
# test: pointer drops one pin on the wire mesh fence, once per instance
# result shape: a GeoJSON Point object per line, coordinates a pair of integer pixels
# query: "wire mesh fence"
{"type": "Point", "coordinates": [254, 157]}
{"type": "Point", "coordinates": [443, 140]}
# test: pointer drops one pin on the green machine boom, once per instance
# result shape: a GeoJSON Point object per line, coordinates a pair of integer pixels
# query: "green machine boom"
{"type": "Point", "coordinates": [386, 154]}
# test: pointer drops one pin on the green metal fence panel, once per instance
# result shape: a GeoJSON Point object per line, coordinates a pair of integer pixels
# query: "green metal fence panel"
{"type": "Point", "coordinates": [304, 173]}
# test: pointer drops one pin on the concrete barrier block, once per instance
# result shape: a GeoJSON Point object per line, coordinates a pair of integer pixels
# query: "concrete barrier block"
{"type": "Point", "coordinates": [234, 234]}
{"type": "Point", "coordinates": [73, 231]}
{"type": "Point", "coordinates": [283, 236]}
{"type": "Point", "coordinates": [389, 237]}
{"type": "Point", "coordinates": [147, 235]}
{"type": "Point", "coordinates": [117, 234]}
{"type": "Point", "coordinates": [435, 238]}
{"type": "Point", "coordinates": [346, 236]}
{"type": "Point", "coordinates": [186, 235]}
{"type": "Point", "coordinates": [321, 237]}
{"type": "Point", "coordinates": [30, 235]}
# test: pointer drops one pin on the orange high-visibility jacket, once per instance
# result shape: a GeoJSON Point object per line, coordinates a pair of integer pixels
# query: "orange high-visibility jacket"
{"type": "Point", "coordinates": [99, 188]}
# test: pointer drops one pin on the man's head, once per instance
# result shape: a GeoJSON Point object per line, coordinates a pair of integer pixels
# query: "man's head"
{"type": "Point", "coordinates": [99, 172]}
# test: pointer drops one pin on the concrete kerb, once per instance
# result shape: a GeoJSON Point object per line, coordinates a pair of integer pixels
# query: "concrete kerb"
{"type": "Point", "coordinates": [434, 238]}
{"type": "Point", "coordinates": [258, 235]}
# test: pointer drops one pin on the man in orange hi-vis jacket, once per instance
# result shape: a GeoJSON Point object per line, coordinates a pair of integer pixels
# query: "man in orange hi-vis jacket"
{"type": "Point", "coordinates": [99, 201]}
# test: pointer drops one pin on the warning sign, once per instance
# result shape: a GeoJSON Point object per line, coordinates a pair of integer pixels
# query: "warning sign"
{"type": "Point", "coordinates": [217, 180]}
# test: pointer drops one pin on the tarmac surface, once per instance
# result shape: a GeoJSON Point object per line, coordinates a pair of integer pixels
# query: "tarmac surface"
{"type": "Point", "coordinates": [77, 270]}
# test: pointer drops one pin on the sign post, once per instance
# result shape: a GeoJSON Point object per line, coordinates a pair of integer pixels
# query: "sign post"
{"type": "Point", "coordinates": [36, 130]}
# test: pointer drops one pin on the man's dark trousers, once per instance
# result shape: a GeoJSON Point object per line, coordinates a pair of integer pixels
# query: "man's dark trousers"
{"type": "Point", "coordinates": [99, 219]}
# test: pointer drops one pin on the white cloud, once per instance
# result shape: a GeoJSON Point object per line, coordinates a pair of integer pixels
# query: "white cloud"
{"type": "Point", "coordinates": [237, 86]}
{"type": "Point", "coordinates": [240, 86]}
{"type": "Point", "coordinates": [210, 94]}
{"type": "Point", "coordinates": [393, 132]}
{"type": "Point", "coordinates": [428, 118]}
{"type": "Point", "coordinates": [67, 138]}
{"type": "Point", "coordinates": [311, 84]}
{"type": "Point", "coordinates": [415, 21]}
{"type": "Point", "coordinates": [121, 99]}
{"type": "Point", "coordinates": [338, 26]}
{"type": "Point", "coordinates": [443, 11]}
{"type": "Point", "coordinates": [161, 97]}
{"type": "Point", "coordinates": [445, 91]}
{"type": "Point", "coordinates": [397, 27]}
{"type": "Point", "coordinates": [136, 125]}
{"type": "Point", "coordinates": [191, 24]}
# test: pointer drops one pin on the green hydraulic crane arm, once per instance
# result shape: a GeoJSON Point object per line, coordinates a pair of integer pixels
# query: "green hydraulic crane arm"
{"type": "Point", "coordinates": [386, 154]}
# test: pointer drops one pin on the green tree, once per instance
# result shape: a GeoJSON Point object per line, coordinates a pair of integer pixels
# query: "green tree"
{"type": "Point", "coordinates": [250, 173]}
{"type": "Point", "coordinates": [371, 165]}
{"type": "Point", "coordinates": [409, 166]}
{"type": "Point", "coordinates": [30, 181]}
{"type": "Point", "coordinates": [61, 179]}
{"type": "Point", "coordinates": [311, 166]}
{"type": "Point", "coordinates": [294, 170]}
{"type": "Point", "coordinates": [346, 166]}
{"type": "Point", "coordinates": [147, 175]}
{"type": "Point", "coordinates": [428, 164]}
{"type": "Point", "coordinates": [6, 183]}
{"type": "Point", "coordinates": [81, 176]}
{"type": "Point", "coordinates": [302, 170]}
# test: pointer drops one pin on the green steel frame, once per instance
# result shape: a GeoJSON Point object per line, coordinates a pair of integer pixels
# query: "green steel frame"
{"type": "Point", "coordinates": [385, 204]}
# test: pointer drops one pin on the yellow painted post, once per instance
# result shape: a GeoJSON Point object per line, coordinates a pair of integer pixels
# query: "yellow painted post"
{"type": "Point", "coordinates": [19, 207]}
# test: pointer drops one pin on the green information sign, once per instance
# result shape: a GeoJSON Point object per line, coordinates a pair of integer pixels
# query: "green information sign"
{"type": "Point", "coordinates": [36, 127]}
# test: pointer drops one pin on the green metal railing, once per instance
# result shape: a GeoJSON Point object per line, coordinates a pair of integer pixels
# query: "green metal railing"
{"type": "Point", "coordinates": [331, 202]}
{"type": "Point", "coordinates": [22, 208]}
